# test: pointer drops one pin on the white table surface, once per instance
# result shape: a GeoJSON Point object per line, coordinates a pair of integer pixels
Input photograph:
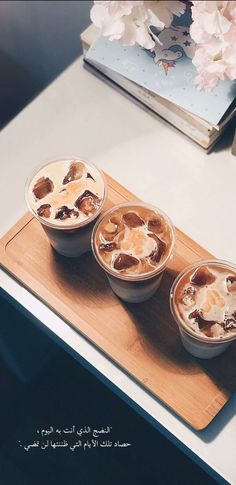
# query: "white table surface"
{"type": "Point", "coordinates": [79, 114]}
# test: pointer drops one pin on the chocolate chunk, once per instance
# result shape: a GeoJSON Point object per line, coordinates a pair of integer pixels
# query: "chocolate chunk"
{"type": "Point", "coordinates": [75, 172]}
{"type": "Point", "coordinates": [202, 277]}
{"type": "Point", "coordinates": [155, 225]}
{"type": "Point", "coordinates": [88, 202]}
{"type": "Point", "coordinates": [108, 247]}
{"type": "Point", "coordinates": [65, 213]}
{"type": "Point", "coordinates": [115, 220]}
{"type": "Point", "coordinates": [194, 314]}
{"type": "Point", "coordinates": [230, 324]}
{"type": "Point", "coordinates": [202, 323]}
{"type": "Point", "coordinates": [44, 211]}
{"type": "Point", "coordinates": [125, 261]}
{"type": "Point", "coordinates": [132, 219]}
{"type": "Point", "coordinates": [89, 176]}
{"type": "Point", "coordinates": [118, 223]}
{"type": "Point", "coordinates": [110, 230]}
{"type": "Point", "coordinates": [43, 187]}
{"type": "Point", "coordinates": [159, 250]}
{"type": "Point", "coordinates": [188, 298]}
{"type": "Point", "coordinates": [231, 279]}
{"type": "Point", "coordinates": [231, 283]}
{"type": "Point", "coordinates": [189, 291]}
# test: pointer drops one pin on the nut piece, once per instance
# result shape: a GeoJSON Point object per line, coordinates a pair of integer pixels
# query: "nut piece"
{"type": "Point", "coordinates": [159, 250]}
{"type": "Point", "coordinates": [155, 225]}
{"type": "Point", "coordinates": [108, 247]}
{"type": "Point", "coordinates": [230, 324]}
{"type": "Point", "coordinates": [202, 277]}
{"type": "Point", "coordinates": [43, 187]}
{"type": "Point", "coordinates": [203, 324]}
{"type": "Point", "coordinates": [125, 261]}
{"type": "Point", "coordinates": [76, 171]}
{"type": "Point", "coordinates": [65, 213]}
{"type": "Point", "coordinates": [110, 230]}
{"type": "Point", "coordinates": [88, 202]}
{"type": "Point", "coordinates": [44, 211]}
{"type": "Point", "coordinates": [110, 227]}
{"type": "Point", "coordinates": [131, 219]}
{"type": "Point", "coordinates": [231, 283]}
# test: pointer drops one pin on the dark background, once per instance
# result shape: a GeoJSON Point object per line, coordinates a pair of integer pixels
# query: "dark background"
{"type": "Point", "coordinates": [42, 385]}
{"type": "Point", "coordinates": [38, 40]}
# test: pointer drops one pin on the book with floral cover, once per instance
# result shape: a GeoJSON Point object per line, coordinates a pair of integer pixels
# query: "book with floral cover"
{"type": "Point", "coordinates": [167, 72]}
{"type": "Point", "coordinates": [198, 129]}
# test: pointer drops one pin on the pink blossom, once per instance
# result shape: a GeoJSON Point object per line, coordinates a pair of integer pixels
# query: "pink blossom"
{"type": "Point", "coordinates": [130, 21]}
{"type": "Point", "coordinates": [214, 31]}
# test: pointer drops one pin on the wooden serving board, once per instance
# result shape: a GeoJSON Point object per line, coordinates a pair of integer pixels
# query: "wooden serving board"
{"type": "Point", "coordinates": [141, 338]}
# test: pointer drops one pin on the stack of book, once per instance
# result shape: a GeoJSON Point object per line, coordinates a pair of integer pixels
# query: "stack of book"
{"type": "Point", "coordinates": [163, 82]}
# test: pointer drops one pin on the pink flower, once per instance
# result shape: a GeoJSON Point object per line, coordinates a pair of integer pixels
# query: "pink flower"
{"type": "Point", "coordinates": [130, 21]}
{"type": "Point", "coordinates": [214, 31]}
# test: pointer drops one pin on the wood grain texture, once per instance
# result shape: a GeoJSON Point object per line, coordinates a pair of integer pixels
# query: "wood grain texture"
{"type": "Point", "coordinates": [143, 339]}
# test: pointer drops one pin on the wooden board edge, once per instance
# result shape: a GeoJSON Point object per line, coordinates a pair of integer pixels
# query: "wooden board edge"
{"type": "Point", "coordinates": [16, 228]}
{"type": "Point", "coordinates": [40, 292]}
{"type": "Point", "coordinates": [120, 189]}
{"type": "Point", "coordinates": [183, 237]}
{"type": "Point", "coordinates": [193, 245]}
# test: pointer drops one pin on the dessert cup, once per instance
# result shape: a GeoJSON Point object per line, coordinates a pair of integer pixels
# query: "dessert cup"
{"type": "Point", "coordinates": [200, 346]}
{"type": "Point", "coordinates": [73, 239]}
{"type": "Point", "coordinates": [139, 287]}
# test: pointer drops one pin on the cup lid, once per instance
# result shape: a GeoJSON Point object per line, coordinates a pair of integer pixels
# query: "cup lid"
{"type": "Point", "coordinates": [62, 226]}
{"type": "Point", "coordinates": [143, 276]}
{"type": "Point", "coordinates": [177, 317]}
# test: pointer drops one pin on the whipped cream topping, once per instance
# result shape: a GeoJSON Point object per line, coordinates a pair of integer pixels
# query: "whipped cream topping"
{"type": "Point", "coordinates": [136, 242]}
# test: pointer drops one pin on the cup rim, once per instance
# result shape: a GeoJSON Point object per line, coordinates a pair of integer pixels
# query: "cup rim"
{"type": "Point", "coordinates": [180, 322]}
{"type": "Point", "coordinates": [142, 277]}
{"type": "Point", "coordinates": [64, 226]}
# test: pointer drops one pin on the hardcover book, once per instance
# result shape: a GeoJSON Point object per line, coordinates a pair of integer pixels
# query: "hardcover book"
{"type": "Point", "coordinates": [163, 81]}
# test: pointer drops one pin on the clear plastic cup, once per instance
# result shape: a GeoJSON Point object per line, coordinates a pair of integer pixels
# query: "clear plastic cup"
{"type": "Point", "coordinates": [134, 288]}
{"type": "Point", "coordinates": [197, 345]}
{"type": "Point", "coordinates": [69, 240]}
